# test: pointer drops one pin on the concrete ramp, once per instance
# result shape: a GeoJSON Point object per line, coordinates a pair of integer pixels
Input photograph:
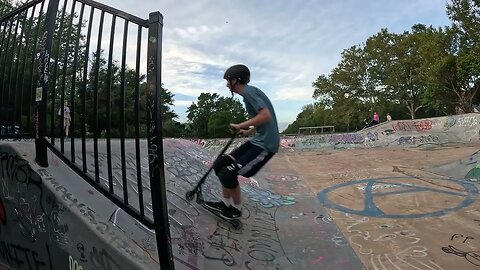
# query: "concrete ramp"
{"type": "Point", "coordinates": [418, 133]}
{"type": "Point", "coordinates": [62, 221]}
{"type": "Point", "coordinates": [311, 207]}
{"type": "Point", "coordinates": [282, 221]}
{"type": "Point", "coordinates": [467, 168]}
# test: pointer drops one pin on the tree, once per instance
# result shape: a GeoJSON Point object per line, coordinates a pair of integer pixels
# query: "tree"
{"type": "Point", "coordinates": [170, 127]}
{"type": "Point", "coordinates": [465, 16]}
{"type": "Point", "coordinates": [301, 119]}
{"type": "Point", "coordinates": [199, 114]}
{"type": "Point", "coordinates": [312, 115]}
{"type": "Point", "coordinates": [5, 7]}
{"type": "Point", "coordinates": [211, 115]}
{"type": "Point", "coordinates": [462, 70]}
{"type": "Point", "coordinates": [109, 95]}
{"type": "Point", "coordinates": [415, 55]}
{"type": "Point", "coordinates": [228, 110]}
{"type": "Point", "coordinates": [423, 72]}
{"type": "Point", "coordinates": [459, 79]}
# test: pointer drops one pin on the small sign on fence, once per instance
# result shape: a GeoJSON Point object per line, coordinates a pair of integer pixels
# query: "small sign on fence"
{"type": "Point", "coordinates": [38, 94]}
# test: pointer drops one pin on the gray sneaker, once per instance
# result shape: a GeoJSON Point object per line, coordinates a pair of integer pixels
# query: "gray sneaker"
{"type": "Point", "coordinates": [216, 206]}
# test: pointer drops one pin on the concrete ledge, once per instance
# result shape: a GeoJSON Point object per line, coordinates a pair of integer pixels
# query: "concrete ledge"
{"type": "Point", "coordinates": [44, 226]}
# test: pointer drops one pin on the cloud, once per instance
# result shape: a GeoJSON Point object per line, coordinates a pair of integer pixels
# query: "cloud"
{"type": "Point", "coordinates": [287, 44]}
{"type": "Point", "coordinates": [183, 103]}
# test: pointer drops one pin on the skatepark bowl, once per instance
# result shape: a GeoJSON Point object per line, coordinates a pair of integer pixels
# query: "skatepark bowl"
{"type": "Point", "coordinates": [399, 195]}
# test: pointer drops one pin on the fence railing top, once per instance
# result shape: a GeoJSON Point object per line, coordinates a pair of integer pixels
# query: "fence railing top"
{"type": "Point", "coordinates": [19, 10]}
{"type": "Point", "coordinates": [116, 12]}
{"type": "Point", "coordinates": [100, 6]}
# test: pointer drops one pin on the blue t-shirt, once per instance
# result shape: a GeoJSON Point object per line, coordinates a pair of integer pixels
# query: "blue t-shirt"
{"type": "Point", "coordinates": [266, 135]}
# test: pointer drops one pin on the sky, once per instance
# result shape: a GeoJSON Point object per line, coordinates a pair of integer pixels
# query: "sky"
{"type": "Point", "coordinates": [286, 44]}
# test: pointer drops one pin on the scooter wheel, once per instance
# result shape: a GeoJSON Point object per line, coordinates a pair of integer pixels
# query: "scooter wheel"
{"type": "Point", "coordinates": [189, 195]}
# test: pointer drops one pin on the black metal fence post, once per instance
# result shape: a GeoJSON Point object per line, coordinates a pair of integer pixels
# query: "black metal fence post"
{"type": "Point", "coordinates": [155, 144]}
{"type": "Point", "coordinates": [41, 90]}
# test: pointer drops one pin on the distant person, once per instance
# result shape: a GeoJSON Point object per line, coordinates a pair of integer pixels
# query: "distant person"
{"type": "Point", "coordinates": [389, 117]}
{"type": "Point", "coordinates": [251, 156]}
{"type": "Point", "coordinates": [376, 118]}
{"type": "Point", "coordinates": [66, 118]}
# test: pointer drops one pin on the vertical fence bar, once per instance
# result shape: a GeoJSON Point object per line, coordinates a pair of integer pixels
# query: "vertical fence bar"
{"type": "Point", "coordinates": [122, 113]}
{"type": "Point", "coordinates": [137, 122]}
{"type": "Point", "coordinates": [3, 25]}
{"type": "Point", "coordinates": [64, 73]}
{"type": "Point", "coordinates": [65, 65]}
{"type": "Point", "coordinates": [17, 72]}
{"type": "Point", "coordinates": [2, 63]}
{"type": "Point", "coordinates": [41, 96]}
{"type": "Point", "coordinates": [109, 105]}
{"type": "Point", "coordinates": [31, 100]}
{"type": "Point", "coordinates": [155, 144]}
{"type": "Point", "coordinates": [3, 107]}
{"type": "Point", "coordinates": [74, 82]}
{"type": "Point", "coordinates": [83, 92]}
{"type": "Point", "coordinates": [54, 85]}
{"type": "Point", "coordinates": [4, 28]}
{"type": "Point", "coordinates": [11, 76]}
{"type": "Point", "coordinates": [95, 97]}
{"type": "Point", "coordinates": [24, 66]}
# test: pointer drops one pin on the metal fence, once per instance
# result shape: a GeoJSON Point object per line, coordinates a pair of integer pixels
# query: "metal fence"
{"type": "Point", "coordinates": [84, 80]}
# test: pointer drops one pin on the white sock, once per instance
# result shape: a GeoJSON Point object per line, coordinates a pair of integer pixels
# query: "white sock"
{"type": "Point", "coordinates": [237, 206]}
{"type": "Point", "coordinates": [226, 201]}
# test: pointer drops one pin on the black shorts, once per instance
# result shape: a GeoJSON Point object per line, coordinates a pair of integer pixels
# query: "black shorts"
{"type": "Point", "coordinates": [250, 158]}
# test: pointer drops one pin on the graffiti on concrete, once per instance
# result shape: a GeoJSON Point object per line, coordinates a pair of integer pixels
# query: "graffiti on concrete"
{"type": "Point", "coordinates": [404, 133]}
{"type": "Point", "coordinates": [287, 142]}
{"type": "Point", "coordinates": [416, 140]}
{"type": "Point", "coordinates": [266, 198]}
{"type": "Point", "coordinates": [262, 245]}
{"type": "Point", "coordinates": [467, 121]}
{"type": "Point", "coordinates": [17, 173]}
{"type": "Point", "coordinates": [461, 237]}
{"type": "Point", "coordinates": [473, 257]}
{"type": "Point", "coordinates": [101, 227]}
{"type": "Point", "coordinates": [74, 264]}
{"type": "Point", "coordinates": [20, 257]}
{"type": "Point", "coordinates": [18, 178]}
{"type": "Point", "coordinates": [422, 125]}
{"type": "Point", "coordinates": [461, 241]}
{"type": "Point", "coordinates": [467, 192]}
{"type": "Point", "coordinates": [224, 247]}
{"type": "Point", "coordinates": [103, 260]}
{"type": "Point", "coordinates": [349, 138]}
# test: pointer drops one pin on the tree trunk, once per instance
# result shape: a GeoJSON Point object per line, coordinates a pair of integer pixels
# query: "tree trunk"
{"type": "Point", "coordinates": [411, 109]}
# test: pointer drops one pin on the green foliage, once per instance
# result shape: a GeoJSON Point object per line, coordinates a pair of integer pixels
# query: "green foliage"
{"type": "Point", "coordinates": [6, 6]}
{"type": "Point", "coordinates": [311, 115]}
{"type": "Point", "coordinates": [211, 115]}
{"type": "Point", "coordinates": [122, 96]}
{"type": "Point", "coordinates": [465, 16]}
{"type": "Point", "coordinates": [109, 95]}
{"type": "Point", "coordinates": [458, 82]}
{"type": "Point", "coordinates": [423, 72]}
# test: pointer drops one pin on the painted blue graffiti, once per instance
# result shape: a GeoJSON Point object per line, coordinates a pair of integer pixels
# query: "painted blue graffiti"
{"type": "Point", "coordinates": [266, 198]}
{"type": "Point", "coordinates": [469, 192]}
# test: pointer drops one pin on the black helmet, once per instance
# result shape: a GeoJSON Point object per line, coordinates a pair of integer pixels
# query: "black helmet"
{"type": "Point", "coordinates": [239, 72]}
